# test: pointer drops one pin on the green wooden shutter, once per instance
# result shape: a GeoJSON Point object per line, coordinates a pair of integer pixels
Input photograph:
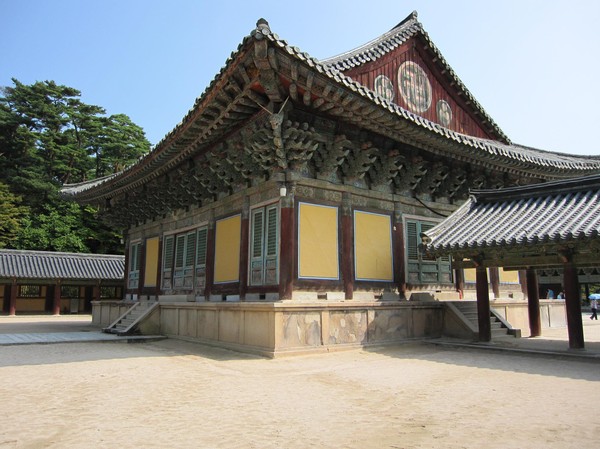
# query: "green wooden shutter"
{"type": "Point", "coordinates": [201, 246]}
{"type": "Point", "coordinates": [271, 232]}
{"type": "Point", "coordinates": [271, 265]}
{"type": "Point", "coordinates": [179, 251]}
{"type": "Point", "coordinates": [257, 233]}
{"type": "Point", "coordinates": [168, 248]}
{"type": "Point", "coordinates": [256, 256]}
{"type": "Point", "coordinates": [168, 253]}
{"type": "Point", "coordinates": [190, 249]}
{"type": "Point", "coordinates": [412, 240]}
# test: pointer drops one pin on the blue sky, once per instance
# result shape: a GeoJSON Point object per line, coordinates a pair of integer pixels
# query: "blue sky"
{"type": "Point", "coordinates": [532, 65]}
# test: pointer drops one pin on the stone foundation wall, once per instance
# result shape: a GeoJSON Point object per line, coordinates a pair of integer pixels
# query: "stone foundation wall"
{"type": "Point", "coordinates": [279, 328]}
{"type": "Point", "coordinates": [290, 328]}
{"type": "Point", "coordinates": [552, 311]}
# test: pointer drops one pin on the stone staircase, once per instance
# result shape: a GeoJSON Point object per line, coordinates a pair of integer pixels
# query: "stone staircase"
{"type": "Point", "coordinates": [127, 323]}
{"type": "Point", "coordinates": [499, 326]}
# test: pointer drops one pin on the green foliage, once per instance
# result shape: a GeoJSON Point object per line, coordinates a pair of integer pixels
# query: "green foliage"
{"type": "Point", "coordinates": [49, 137]}
{"type": "Point", "coordinates": [11, 213]}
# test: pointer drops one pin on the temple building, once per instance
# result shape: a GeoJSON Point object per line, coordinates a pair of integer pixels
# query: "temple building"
{"type": "Point", "coordinates": [58, 282]}
{"type": "Point", "coordinates": [285, 210]}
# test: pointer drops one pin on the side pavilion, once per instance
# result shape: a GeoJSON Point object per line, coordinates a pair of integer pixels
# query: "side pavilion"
{"type": "Point", "coordinates": [550, 225]}
{"type": "Point", "coordinates": [45, 281]}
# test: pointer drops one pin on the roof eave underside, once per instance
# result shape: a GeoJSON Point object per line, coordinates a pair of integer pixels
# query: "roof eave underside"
{"type": "Point", "coordinates": [192, 134]}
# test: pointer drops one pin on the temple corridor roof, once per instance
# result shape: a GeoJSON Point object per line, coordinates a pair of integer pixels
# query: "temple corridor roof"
{"type": "Point", "coordinates": [555, 213]}
{"type": "Point", "coordinates": [59, 265]}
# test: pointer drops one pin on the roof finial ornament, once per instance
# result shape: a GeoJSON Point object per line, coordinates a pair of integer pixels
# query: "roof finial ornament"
{"type": "Point", "coordinates": [413, 16]}
{"type": "Point", "coordinates": [262, 29]}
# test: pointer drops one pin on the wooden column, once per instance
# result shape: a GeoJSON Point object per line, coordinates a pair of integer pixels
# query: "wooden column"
{"type": "Point", "coordinates": [96, 292]}
{"type": "Point", "coordinates": [533, 303]}
{"type": "Point", "coordinates": [347, 256]}
{"type": "Point", "coordinates": [483, 304]}
{"type": "Point", "coordinates": [244, 240]}
{"type": "Point", "coordinates": [159, 268]}
{"type": "Point", "coordinates": [141, 268]}
{"type": "Point", "coordinates": [495, 281]}
{"type": "Point", "coordinates": [459, 282]}
{"type": "Point", "coordinates": [523, 282]}
{"type": "Point", "coordinates": [398, 247]}
{"type": "Point", "coordinates": [287, 245]}
{"type": "Point", "coordinates": [12, 306]}
{"type": "Point", "coordinates": [210, 258]}
{"type": "Point", "coordinates": [56, 303]}
{"type": "Point", "coordinates": [126, 268]}
{"type": "Point", "coordinates": [573, 305]}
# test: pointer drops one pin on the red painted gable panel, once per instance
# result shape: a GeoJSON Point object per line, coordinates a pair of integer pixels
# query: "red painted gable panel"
{"type": "Point", "coordinates": [405, 77]}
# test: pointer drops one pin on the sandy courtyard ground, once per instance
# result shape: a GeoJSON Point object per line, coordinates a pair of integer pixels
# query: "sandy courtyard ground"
{"type": "Point", "coordinates": [174, 394]}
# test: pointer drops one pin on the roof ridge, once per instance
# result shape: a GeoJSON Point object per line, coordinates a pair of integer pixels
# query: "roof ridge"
{"type": "Point", "coordinates": [57, 253]}
{"type": "Point", "coordinates": [578, 184]}
{"type": "Point", "coordinates": [403, 26]}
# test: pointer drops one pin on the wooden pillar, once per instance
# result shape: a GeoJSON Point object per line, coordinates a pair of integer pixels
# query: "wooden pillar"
{"type": "Point", "coordinates": [12, 306]}
{"type": "Point", "coordinates": [523, 282]}
{"type": "Point", "coordinates": [210, 258]}
{"type": "Point", "coordinates": [56, 303]}
{"type": "Point", "coordinates": [398, 246]}
{"type": "Point", "coordinates": [483, 304]}
{"type": "Point", "coordinates": [287, 245]}
{"type": "Point", "coordinates": [533, 303]}
{"type": "Point", "coordinates": [141, 268]}
{"type": "Point", "coordinates": [126, 268]}
{"type": "Point", "coordinates": [573, 305]}
{"type": "Point", "coordinates": [459, 282]}
{"type": "Point", "coordinates": [159, 268]}
{"type": "Point", "coordinates": [244, 241]}
{"type": "Point", "coordinates": [96, 291]}
{"type": "Point", "coordinates": [495, 281]}
{"type": "Point", "coordinates": [347, 256]}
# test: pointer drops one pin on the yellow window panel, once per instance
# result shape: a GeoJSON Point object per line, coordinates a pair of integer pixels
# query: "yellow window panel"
{"type": "Point", "coordinates": [151, 267]}
{"type": "Point", "coordinates": [318, 250]}
{"type": "Point", "coordinates": [373, 247]}
{"type": "Point", "coordinates": [470, 275]}
{"type": "Point", "coordinates": [227, 249]}
{"type": "Point", "coordinates": [509, 277]}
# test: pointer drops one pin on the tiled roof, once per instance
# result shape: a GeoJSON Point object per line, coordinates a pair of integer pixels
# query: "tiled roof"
{"type": "Point", "coordinates": [554, 212]}
{"type": "Point", "coordinates": [418, 130]}
{"type": "Point", "coordinates": [51, 265]}
{"type": "Point", "coordinates": [384, 44]}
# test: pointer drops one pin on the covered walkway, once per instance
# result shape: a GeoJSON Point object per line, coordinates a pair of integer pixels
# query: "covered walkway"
{"type": "Point", "coordinates": [527, 228]}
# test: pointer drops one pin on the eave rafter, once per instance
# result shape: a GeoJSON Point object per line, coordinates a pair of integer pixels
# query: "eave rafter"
{"type": "Point", "coordinates": [583, 253]}
{"type": "Point", "coordinates": [264, 113]}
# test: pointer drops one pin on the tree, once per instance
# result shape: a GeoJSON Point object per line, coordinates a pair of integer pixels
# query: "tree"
{"type": "Point", "coordinates": [11, 213]}
{"type": "Point", "coordinates": [49, 137]}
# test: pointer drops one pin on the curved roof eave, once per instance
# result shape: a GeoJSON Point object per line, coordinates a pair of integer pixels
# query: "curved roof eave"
{"type": "Point", "coordinates": [500, 154]}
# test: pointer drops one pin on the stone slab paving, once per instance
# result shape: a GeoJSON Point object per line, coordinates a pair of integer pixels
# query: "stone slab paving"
{"type": "Point", "coordinates": [553, 342]}
{"type": "Point", "coordinates": [72, 337]}
{"type": "Point", "coordinates": [48, 329]}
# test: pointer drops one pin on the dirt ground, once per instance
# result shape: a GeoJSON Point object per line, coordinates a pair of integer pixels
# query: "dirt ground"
{"type": "Point", "coordinates": [174, 394]}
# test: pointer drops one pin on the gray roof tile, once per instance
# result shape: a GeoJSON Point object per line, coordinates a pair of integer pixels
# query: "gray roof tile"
{"type": "Point", "coordinates": [55, 265]}
{"type": "Point", "coordinates": [558, 211]}
{"type": "Point", "coordinates": [512, 153]}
